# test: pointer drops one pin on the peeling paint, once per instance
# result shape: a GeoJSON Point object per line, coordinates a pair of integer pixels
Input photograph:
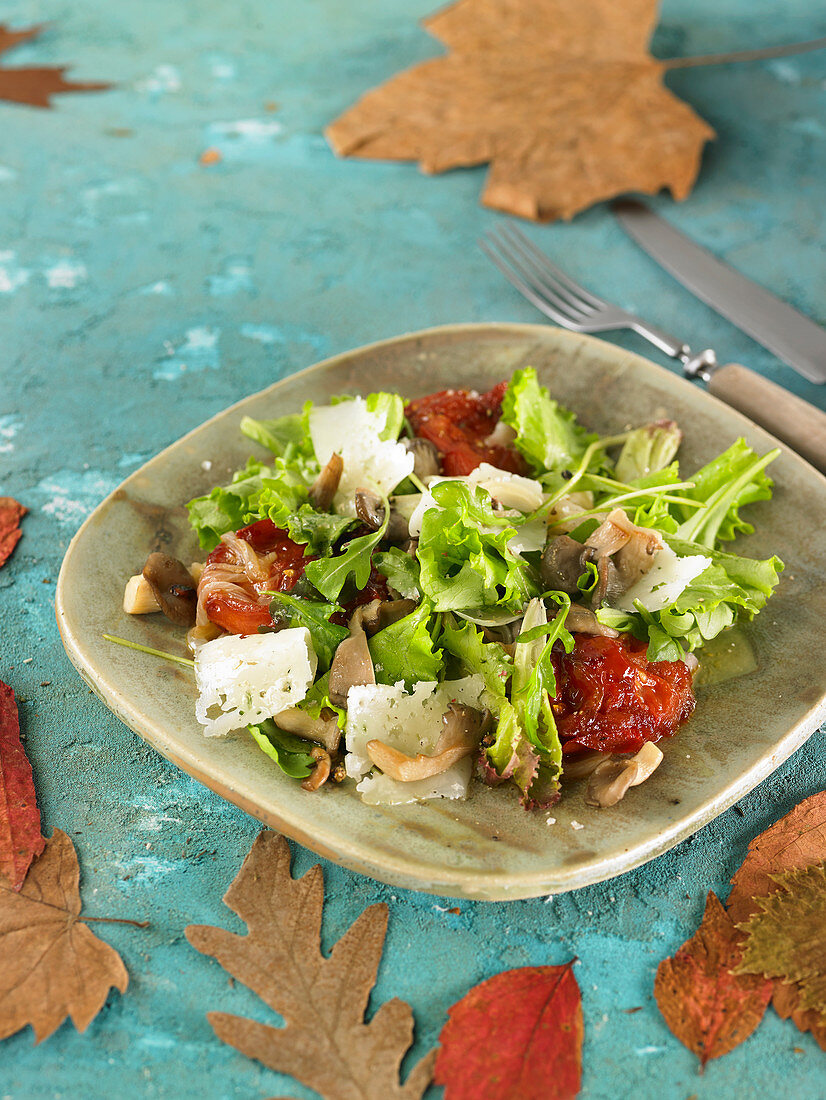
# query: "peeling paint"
{"type": "Point", "coordinates": [198, 351]}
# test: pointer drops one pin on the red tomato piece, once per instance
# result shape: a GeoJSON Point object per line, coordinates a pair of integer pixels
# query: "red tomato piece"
{"type": "Point", "coordinates": [610, 698]}
{"type": "Point", "coordinates": [459, 423]}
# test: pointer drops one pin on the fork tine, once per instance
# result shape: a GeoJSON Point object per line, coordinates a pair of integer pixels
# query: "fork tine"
{"type": "Point", "coordinates": [524, 289]}
{"type": "Point", "coordinates": [549, 269]}
{"type": "Point", "coordinates": [540, 287]}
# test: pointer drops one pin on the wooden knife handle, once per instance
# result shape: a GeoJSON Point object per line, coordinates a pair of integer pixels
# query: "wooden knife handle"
{"type": "Point", "coordinates": [801, 425]}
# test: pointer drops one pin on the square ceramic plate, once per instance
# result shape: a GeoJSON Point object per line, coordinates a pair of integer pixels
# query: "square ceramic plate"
{"type": "Point", "coordinates": [486, 847]}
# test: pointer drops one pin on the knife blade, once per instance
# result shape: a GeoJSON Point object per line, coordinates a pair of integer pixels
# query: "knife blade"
{"type": "Point", "coordinates": [792, 336]}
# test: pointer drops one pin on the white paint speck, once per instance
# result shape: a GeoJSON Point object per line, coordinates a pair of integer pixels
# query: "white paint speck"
{"type": "Point", "coordinates": [235, 276]}
{"type": "Point", "coordinates": [206, 464]}
{"type": "Point", "coordinates": [784, 71]}
{"type": "Point", "coordinates": [7, 175]}
{"type": "Point", "coordinates": [65, 274]}
{"type": "Point", "coordinates": [577, 825]}
{"type": "Point", "coordinates": [246, 129]}
{"type": "Point", "coordinates": [551, 821]}
{"type": "Point", "coordinates": [262, 334]}
{"type": "Point", "coordinates": [198, 351]}
{"type": "Point", "coordinates": [12, 275]}
{"type": "Point", "coordinates": [649, 1050]}
{"type": "Point", "coordinates": [162, 80]}
{"type": "Point", "coordinates": [9, 427]}
{"type": "Point", "coordinates": [162, 287]}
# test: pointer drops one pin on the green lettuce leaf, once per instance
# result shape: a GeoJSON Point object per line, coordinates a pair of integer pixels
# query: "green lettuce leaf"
{"type": "Point", "coordinates": [402, 572]}
{"type": "Point", "coordinates": [733, 479]}
{"type": "Point", "coordinates": [288, 751]}
{"type": "Point", "coordinates": [648, 450]}
{"type": "Point", "coordinates": [406, 650]}
{"type": "Point", "coordinates": [546, 434]}
{"type": "Point", "coordinates": [315, 616]}
{"type": "Point", "coordinates": [465, 562]}
{"type": "Point", "coordinates": [488, 659]}
{"type": "Point", "coordinates": [287, 437]}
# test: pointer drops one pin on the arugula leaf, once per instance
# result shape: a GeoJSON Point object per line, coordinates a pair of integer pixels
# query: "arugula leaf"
{"type": "Point", "coordinates": [464, 556]}
{"type": "Point", "coordinates": [405, 650]}
{"type": "Point", "coordinates": [546, 434]}
{"type": "Point", "coordinates": [288, 751]}
{"type": "Point", "coordinates": [402, 571]}
{"type": "Point", "coordinates": [319, 530]}
{"type": "Point", "coordinates": [489, 659]}
{"type": "Point", "coordinates": [315, 615]}
{"type": "Point", "coordinates": [317, 699]}
{"type": "Point", "coordinates": [731, 480]}
{"type": "Point", "coordinates": [587, 582]}
{"type": "Point", "coordinates": [329, 575]}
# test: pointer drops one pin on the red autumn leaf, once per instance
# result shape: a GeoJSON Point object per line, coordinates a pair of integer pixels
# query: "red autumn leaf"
{"type": "Point", "coordinates": [795, 841]}
{"type": "Point", "coordinates": [10, 515]}
{"type": "Point", "coordinates": [709, 1009]}
{"type": "Point", "coordinates": [20, 836]}
{"type": "Point", "coordinates": [517, 1034]}
{"type": "Point", "coordinates": [35, 86]}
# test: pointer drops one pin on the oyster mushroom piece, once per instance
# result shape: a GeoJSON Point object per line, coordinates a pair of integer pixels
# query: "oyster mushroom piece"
{"type": "Point", "coordinates": [324, 730]}
{"type": "Point", "coordinates": [325, 486]}
{"type": "Point", "coordinates": [370, 510]}
{"type": "Point", "coordinates": [581, 620]}
{"type": "Point", "coordinates": [378, 614]}
{"type": "Point", "coordinates": [352, 664]}
{"type": "Point", "coordinates": [563, 563]}
{"type": "Point", "coordinates": [463, 730]}
{"type": "Point", "coordinates": [425, 457]}
{"type": "Point", "coordinates": [321, 772]}
{"type": "Point", "coordinates": [173, 588]}
{"type": "Point", "coordinates": [614, 776]}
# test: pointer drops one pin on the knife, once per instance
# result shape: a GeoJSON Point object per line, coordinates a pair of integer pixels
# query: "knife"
{"type": "Point", "coordinates": [792, 336]}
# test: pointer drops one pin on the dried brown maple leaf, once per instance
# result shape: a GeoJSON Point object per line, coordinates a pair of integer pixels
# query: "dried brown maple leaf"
{"type": "Point", "coordinates": [786, 939]}
{"type": "Point", "coordinates": [532, 1019]}
{"type": "Point", "coordinates": [53, 966]}
{"type": "Point", "coordinates": [708, 1008]}
{"type": "Point", "coordinates": [561, 97]}
{"type": "Point", "coordinates": [326, 1043]}
{"type": "Point", "coordinates": [20, 836]}
{"type": "Point", "coordinates": [11, 512]}
{"type": "Point", "coordinates": [36, 86]}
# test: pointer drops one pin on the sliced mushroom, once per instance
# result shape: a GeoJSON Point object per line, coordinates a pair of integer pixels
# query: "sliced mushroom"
{"type": "Point", "coordinates": [321, 772]}
{"type": "Point", "coordinates": [352, 664]}
{"type": "Point", "coordinates": [138, 597]}
{"type": "Point", "coordinates": [563, 563]}
{"type": "Point", "coordinates": [581, 620]}
{"type": "Point", "coordinates": [324, 729]}
{"type": "Point", "coordinates": [425, 457]}
{"type": "Point", "coordinates": [565, 514]}
{"type": "Point", "coordinates": [370, 510]}
{"type": "Point", "coordinates": [378, 614]}
{"type": "Point", "coordinates": [583, 764]}
{"type": "Point", "coordinates": [611, 535]}
{"type": "Point", "coordinates": [173, 588]}
{"type": "Point", "coordinates": [615, 775]}
{"type": "Point", "coordinates": [463, 729]}
{"type": "Point", "coordinates": [325, 486]}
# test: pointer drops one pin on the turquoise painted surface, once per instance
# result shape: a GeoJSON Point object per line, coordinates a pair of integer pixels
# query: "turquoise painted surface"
{"type": "Point", "coordinates": [141, 292]}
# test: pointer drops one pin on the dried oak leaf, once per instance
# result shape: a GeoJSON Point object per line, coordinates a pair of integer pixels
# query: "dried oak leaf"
{"type": "Point", "coordinates": [516, 1034]}
{"type": "Point", "coordinates": [20, 836]}
{"type": "Point", "coordinates": [10, 515]}
{"type": "Point", "coordinates": [326, 1043]}
{"type": "Point", "coordinates": [787, 938]}
{"type": "Point", "coordinates": [36, 86]}
{"type": "Point", "coordinates": [708, 1008]}
{"type": "Point", "coordinates": [53, 965]}
{"type": "Point", "coordinates": [561, 97]}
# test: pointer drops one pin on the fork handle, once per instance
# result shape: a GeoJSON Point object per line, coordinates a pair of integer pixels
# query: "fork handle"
{"type": "Point", "coordinates": [801, 425]}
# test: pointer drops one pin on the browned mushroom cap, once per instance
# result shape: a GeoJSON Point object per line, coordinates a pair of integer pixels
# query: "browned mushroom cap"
{"type": "Point", "coordinates": [352, 664]}
{"type": "Point", "coordinates": [463, 729]}
{"type": "Point", "coordinates": [581, 620]}
{"type": "Point", "coordinates": [613, 777]}
{"type": "Point", "coordinates": [321, 772]}
{"type": "Point", "coordinates": [425, 457]}
{"type": "Point", "coordinates": [325, 486]}
{"type": "Point", "coordinates": [370, 510]}
{"type": "Point", "coordinates": [174, 589]}
{"type": "Point", "coordinates": [324, 729]}
{"type": "Point", "coordinates": [635, 559]}
{"type": "Point", "coordinates": [563, 562]}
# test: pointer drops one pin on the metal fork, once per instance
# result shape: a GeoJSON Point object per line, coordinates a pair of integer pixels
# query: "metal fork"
{"type": "Point", "coordinates": [572, 306]}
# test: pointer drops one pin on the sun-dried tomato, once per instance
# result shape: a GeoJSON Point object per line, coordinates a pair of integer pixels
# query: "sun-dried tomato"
{"type": "Point", "coordinates": [612, 699]}
{"type": "Point", "coordinates": [459, 423]}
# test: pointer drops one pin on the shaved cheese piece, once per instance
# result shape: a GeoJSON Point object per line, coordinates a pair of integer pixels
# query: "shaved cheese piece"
{"type": "Point", "coordinates": [529, 537]}
{"type": "Point", "coordinates": [351, 430]}
{"type": "Point", "coordinates": [667, 578]}
{"type": "Point", "coordinates": [244, 679]}
{"type": "Point", "coordinates": [380, 790]}
{"type": "Point", "coordinates": [511, 490]}
{"type": "Point", "coordinates": [411, 723]}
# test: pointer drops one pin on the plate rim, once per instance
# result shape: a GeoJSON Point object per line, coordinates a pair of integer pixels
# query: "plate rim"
{"type": "Point", "coordinates": [395, 868]}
